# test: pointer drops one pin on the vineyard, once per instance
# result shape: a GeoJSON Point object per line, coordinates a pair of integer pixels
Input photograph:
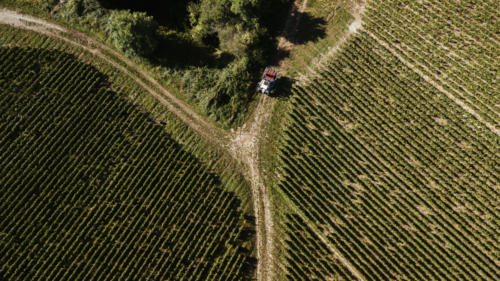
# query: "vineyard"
{"type": "Point", "coordinates": [393, 173]}
{"type": "Point", "coordinates": [93, 187]}
{"type": "Point", "coordinates": [308, 258]}
{"type": "Point", "coordinates": [460, 52]}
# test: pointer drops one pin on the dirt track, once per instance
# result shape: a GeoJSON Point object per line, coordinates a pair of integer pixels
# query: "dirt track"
{"type": "Point", "coordinates": [244, 146]}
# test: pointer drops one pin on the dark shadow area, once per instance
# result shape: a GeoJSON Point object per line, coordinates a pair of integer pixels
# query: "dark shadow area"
{"type": "Point", "coordinates": [250, 265]}
{"type": "Point", "coordinates": [283, 88]}
{"type": "Point", "coordinates": [280, 54]}
{"type": "Point", "coordinates": [246, 234]}
{"type": "Point", "coordinates": [309, 29]}
{"type": "Point", "coordinates": [172, 14]}
{"type": "Point", "coordinates": [274, 14]}
{"type": "Point", "coordinates": [250, 218]}
{"type": "Point", "coordinates": [178, 50]}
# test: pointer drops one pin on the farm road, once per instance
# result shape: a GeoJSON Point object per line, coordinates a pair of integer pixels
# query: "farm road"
{"type": "Point", "coordinates": [244, 145]}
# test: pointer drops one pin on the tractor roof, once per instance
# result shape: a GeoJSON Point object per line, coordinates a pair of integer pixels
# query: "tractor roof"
{"type": "Point", "coordinates": [271, 72]}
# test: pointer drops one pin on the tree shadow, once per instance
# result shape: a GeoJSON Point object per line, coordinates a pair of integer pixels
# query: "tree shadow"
{"type": "Point", "coordinates": [280, 54]}
{"type": "Point", "coordinates": [246, 234]}
{"type": "Point", "coordinates": [272, 15]}
{"type": "Point", "coordinates": [173, 14]}
{"type": "Point", "coordinates": [178, 50]}
{"type": "Point", "coordinates": [309, 28]}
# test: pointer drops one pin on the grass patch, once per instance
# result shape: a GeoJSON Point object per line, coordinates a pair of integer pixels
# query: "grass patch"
{"type": "Point", "coordinates": [322, 26]}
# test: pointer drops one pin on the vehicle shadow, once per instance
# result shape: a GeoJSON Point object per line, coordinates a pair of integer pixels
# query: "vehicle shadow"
{"type": "Point", "coordinates": [283, 88]}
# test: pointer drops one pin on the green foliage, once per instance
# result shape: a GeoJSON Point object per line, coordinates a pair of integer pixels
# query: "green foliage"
{"type": "Point", "coordinates": [235, 23]}
{"type": "Point", "coordinates": [232, 86]}
{"type": "Point", "coordinates": [238, 27]}
{"type": "Point", "coordinates": [132, 32]}
{"type": "Point", "coordinates": [221, 93]}
{"type": "Point", "coordinates": [84, 8]}
{"type": "Point", "coordinates": [87, 12]}
{"type": "Point", "coordinates": [216, 56]}
{"type": "Point", "coordinates": [47, 5]}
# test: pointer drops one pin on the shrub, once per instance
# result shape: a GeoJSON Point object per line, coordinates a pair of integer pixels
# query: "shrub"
{"type": "Point", "coordinates": [132, 32]}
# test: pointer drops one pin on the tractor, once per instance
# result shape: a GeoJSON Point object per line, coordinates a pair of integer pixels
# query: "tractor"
{"type": "Point", "coordinates": [268, 82]}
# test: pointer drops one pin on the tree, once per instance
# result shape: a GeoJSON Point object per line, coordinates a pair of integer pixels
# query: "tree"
{"type": "Point", "coordinates": [84, 12]}
{"type": "Point", "coordinates": [234, 22]}
{"type": "Point", "coordinates": [132, 32]}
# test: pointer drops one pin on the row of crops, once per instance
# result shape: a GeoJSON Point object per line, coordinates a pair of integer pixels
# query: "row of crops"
{"type": "Point", "coordinates": [93, 188]}
{"type": "Point", "coordinates": [398, 178]}
{"type": "Point", "coordinates": [456, 43]}
{"type": "Point", "coordinates": [307, 257]}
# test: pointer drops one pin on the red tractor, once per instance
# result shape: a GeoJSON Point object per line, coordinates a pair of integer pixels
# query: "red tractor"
{"type": "Point", "coordinates": [268, 82]}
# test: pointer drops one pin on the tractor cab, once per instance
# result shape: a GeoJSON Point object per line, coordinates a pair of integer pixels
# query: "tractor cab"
{"type": "Point", "coordinates": [268, 82]}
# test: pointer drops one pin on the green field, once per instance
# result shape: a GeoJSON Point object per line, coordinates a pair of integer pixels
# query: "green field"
{"type": "Point", "coordinates": [94, 188]}
{"type": "Point", "coordinates": [454, 42]}
{"type": "Point", "coordinates": [380, 156]}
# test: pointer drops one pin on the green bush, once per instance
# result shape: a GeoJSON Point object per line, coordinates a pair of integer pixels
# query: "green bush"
{"type": "Point", "coordinates": [132, 32]}
{"type": "Point", "coordinates": [234, 22]}
{"type": "Point", "coordinates": [47, 5]}
{"type": "Point", "coordinates": [214, 57]}
{"type": "Point", "coordinates": [222, 93]}
{"type": "Point", "coordinates": [85, 12]}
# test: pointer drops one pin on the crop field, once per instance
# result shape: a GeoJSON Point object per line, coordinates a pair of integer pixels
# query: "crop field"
{"type": "Point", "coordinates": [94, 188]}
{"type": "Point", "coordinates": [401, 182]}
{"type": "Point", "coordinates": [455, 43]}
{"type": "Point", "coordinates": [308, 258]}
{"type": "Point", "coordinates": [391, 152]}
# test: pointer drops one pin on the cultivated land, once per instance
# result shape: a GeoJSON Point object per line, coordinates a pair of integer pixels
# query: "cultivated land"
{"type": "Point", "coordinates": [382, 164]}
{"type": "Point", "coordinates": [87, 170]}
{"type": "Point", "coordinates": [240, 148]}
{"type": "Point", "coordinates": [389, 158]}
{"type": "Point", "coordinates": [387, 169]}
